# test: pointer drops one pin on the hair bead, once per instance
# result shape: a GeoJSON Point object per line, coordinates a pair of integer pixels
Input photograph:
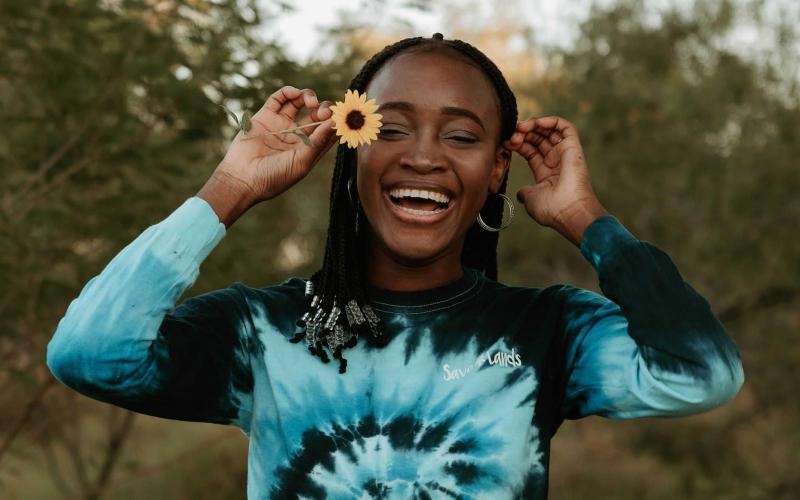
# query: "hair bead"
{"type": "Point", "coordinates": [313, 329]}
{"type": "Point", "coordinates": [304, 319]}
{"type": "Point", "coordinates": [354, 314]}
{"type": "Point", "coordinates": [332, 317]}
{"type": "Point", "coordinates": [374, 321]}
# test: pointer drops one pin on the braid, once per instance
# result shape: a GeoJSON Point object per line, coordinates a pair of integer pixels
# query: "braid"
{"type": "Point", "coordinates": [338, 311]}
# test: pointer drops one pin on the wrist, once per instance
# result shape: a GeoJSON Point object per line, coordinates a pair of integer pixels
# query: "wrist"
{"type": "Point", "coordinates": [227, 196]}
{"type": "Point", "coordinates": [577, 218]}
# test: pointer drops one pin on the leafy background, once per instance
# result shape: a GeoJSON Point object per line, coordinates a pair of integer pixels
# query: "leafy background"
{"type": "Point", "coordinates": [110, 119]}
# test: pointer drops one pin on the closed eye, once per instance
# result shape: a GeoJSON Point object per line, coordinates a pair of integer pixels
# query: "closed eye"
{"type": "Point", "coordinates": [463, 139]}
{"type": "Point", "coordinates": [387, 132]}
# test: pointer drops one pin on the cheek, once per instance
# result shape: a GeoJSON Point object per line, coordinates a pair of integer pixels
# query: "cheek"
{"type": "Point", "coordinates": [369, 171]}
{"type": "Point", "coordinates": [370, 158]}
{"type": "Point", "coordinates": [475, 174]}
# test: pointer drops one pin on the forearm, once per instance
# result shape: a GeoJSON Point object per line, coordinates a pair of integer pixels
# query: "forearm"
{"type": "Point", "coordinates": [678, 335]}
{"type": "Point", "coordinates": [104, 338]}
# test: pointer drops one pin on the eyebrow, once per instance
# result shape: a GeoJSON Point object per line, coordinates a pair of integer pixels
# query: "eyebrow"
{"type": "Point", "coordinates": [446, 110]}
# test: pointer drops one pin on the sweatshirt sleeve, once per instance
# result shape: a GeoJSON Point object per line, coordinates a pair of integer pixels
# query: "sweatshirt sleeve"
{"type": "Point", "coordinates": [123, 341]}
{"type": "Point", "coordinates": [651, 346]}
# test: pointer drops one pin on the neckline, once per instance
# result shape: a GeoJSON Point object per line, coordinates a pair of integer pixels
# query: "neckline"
{"type": "Point", "coordinates": [429, 299]}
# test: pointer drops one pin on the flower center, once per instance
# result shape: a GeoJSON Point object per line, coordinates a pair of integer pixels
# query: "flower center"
{"type": "Point", "coordinates": [355, 119]}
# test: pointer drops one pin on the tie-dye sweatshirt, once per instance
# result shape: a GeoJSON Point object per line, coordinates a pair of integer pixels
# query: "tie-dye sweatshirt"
{"type": "Point", "coordinates": [463, 402]}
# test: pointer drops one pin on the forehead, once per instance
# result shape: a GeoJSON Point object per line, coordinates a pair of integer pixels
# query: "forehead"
{"type": "Point", "coordinates": [430, 80]}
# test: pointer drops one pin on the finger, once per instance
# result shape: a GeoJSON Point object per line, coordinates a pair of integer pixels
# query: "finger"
{"type": "Point", "coordinates": [288, 101]}
{"type": "Point", "coordinates": [535, 160]}
{"type": "Point", "coordinates": [310, 98]}
{"type": "Point", "coordinates": [522, 128]}
{"type": "Point", "coordinates": [555, 138]}
{"type": "Point", "coordinates": [520, 138]}
{"type": "Point", "coordinates": [540, 141]}
{"type": "Point", "coordinates": [321, 135]}
{"type": "Point", "coordinates": [318, 113]}
{"type": "Point", "coordinates": [549, 145]}
{"type": "Point", "coordinates": [264, 119]}
{"type": "Point", "coordinates": [280, 97]}
{"type": "Point", "coordinates": [322, 138]}
{"type": "Point", "coordinates": [306, 99]}
{"type": "Point", "coordinates": [553, 158]}
{"type": "Point", "coordinates": [556, 123]}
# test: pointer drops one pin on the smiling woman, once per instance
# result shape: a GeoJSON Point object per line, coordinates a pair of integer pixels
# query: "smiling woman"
{"type": "Point", "coordinates": [446, 143]}
{"type": "Point", "coordinates": [421, 186]}
{"type": "Point", "coordinates": [457, 382]}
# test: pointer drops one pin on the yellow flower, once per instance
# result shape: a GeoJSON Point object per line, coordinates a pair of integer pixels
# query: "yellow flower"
{"type": "Point", "coordinates": [355, 119]}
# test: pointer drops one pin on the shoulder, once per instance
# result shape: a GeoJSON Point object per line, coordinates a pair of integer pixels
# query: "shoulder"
{"type": "Point", "coordinates": [279, 304]}
{"type": "Point", "coordinates": [560, 298]}
{"type": "Point", "coordinates": [573, 296]}
{"type": "Point", "coordinates": [521, 296]}
{"type": "Point", "coordinates": [498, 287]}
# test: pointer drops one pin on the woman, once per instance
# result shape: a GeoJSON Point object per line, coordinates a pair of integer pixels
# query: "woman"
{"type": "Point", "coordinates": [454, 383]}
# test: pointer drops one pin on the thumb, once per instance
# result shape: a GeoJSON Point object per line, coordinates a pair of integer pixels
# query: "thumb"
{"type": "Point", "coordinates": [321, 137]}
{"type": "Point", "coordinates": [525, 194]}
{"type": "Point", "coordinates": [323, 134]}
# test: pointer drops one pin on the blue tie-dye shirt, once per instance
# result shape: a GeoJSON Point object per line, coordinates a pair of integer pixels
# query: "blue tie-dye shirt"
{"type": "Point", "coordinates": [462, 402]}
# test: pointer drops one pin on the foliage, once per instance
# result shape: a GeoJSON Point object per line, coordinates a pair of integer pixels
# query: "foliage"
{"type": "Point", "coordinates": [691, 145]}
{"type": "Point", "coordinates": [111, 117]}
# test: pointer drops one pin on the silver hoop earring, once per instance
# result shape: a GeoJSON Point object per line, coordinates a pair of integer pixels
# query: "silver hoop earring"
{"type": "Point", "coordinates": [502, 226]}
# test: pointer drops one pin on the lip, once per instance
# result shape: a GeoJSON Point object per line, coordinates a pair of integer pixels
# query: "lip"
{"type": "Point", "coordinates": [414, 218]}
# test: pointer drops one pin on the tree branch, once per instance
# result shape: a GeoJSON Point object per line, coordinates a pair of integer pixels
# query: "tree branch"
{"type": "Point", "coordinates": [30, 408]}
{"type": "Point", "coordinates": [117, 439]}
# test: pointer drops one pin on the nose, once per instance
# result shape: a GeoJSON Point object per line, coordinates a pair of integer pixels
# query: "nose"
{"type": "Point", "coordinates": [425, 154]}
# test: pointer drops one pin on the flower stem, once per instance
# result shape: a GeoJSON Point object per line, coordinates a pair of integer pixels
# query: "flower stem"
{"type": "Point", "coordinates": [283, 131]}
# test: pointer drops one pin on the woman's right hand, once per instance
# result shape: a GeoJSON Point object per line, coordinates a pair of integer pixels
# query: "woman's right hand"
{"type": "Point", "coordinates": [261, 168]}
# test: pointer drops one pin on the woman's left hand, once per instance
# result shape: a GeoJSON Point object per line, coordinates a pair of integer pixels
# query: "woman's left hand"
{"type": "Point", "coordinates": [562, 197]}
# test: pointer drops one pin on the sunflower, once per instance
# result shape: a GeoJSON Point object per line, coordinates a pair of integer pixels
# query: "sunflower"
{"type": "Point", "coordinates": [355, 119]}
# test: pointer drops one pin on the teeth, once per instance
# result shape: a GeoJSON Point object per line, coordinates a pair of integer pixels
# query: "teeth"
{"type": "Point", "coordinates": [421, 212]}
{"type": "Point", "coordinates": [420, 193]}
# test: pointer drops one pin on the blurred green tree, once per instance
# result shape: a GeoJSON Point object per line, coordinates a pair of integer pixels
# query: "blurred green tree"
{"type": "Point", "coordinates": [692, 142]}
{"type": "Point", "coordinates": [110, 120]}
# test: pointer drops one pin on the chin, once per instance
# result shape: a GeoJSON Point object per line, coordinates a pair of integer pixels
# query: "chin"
{"type": "Point", "coordinates": [414, 248]}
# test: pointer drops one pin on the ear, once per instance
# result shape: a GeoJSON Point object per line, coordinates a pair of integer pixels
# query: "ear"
{"type": "Point", "coordinates": [502, 160]}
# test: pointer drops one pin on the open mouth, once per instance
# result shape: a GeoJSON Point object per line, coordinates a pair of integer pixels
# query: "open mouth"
{"type": "Point", "coordinates": [419, 201]}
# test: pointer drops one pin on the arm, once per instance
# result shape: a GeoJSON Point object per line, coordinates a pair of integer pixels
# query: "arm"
{"type": "Point", "coordinates": [651, 346]}
{"type": "Point", "coordinates": [654, 349]}
{"type": "Point", "coordinates": [123, 342]}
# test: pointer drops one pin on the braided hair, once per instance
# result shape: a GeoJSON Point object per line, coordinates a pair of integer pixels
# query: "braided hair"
{"type": "Point", "coordinates": [341, 281]}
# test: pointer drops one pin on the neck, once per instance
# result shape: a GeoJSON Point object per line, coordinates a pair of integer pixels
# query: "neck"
{"type": "Point", "coordinates": [387, 271]}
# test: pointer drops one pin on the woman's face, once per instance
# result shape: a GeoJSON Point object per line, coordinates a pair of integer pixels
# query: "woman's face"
{"type": "Point", "coordinates": [440, 140]}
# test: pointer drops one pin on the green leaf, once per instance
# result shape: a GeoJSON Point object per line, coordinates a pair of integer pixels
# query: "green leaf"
{"type": "Point", "coordinates": [247, 123]}
{"type": "Point", "coordinates": [304, 137]}
{"type": "Point", "coordinates": [232, 115]}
